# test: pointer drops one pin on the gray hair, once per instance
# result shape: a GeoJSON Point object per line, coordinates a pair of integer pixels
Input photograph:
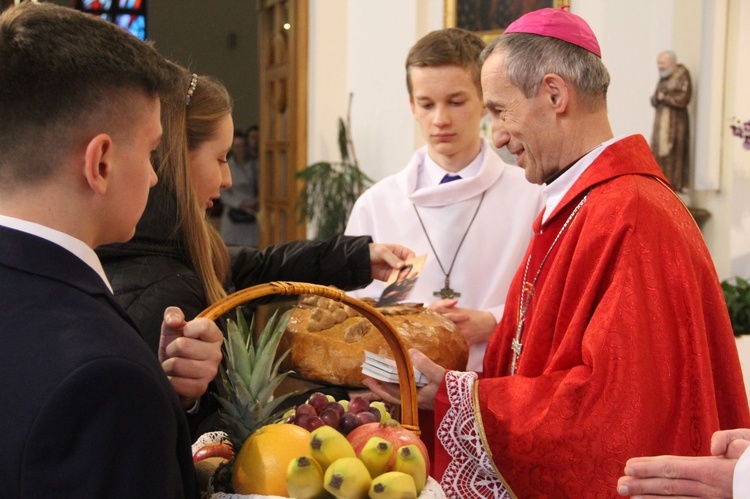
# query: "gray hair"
{"type": "Point", "coordinates": [529, 57]}
{"type": "Point", "coordinates": [671, 54]}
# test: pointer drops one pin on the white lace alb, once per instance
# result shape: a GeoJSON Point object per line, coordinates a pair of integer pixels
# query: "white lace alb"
{"type": "Point", "coordinates": [470, 473]}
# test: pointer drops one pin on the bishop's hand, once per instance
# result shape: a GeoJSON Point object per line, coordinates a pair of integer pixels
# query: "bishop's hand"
{"type": "Point", "coordinates": [434, 373]}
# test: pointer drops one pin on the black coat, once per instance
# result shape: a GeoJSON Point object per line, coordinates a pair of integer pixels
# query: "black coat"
{"type": "Point", "coordinates": [85, 409]}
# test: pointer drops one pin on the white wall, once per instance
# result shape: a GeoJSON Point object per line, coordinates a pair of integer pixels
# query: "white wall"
{"type": "Point", "coordinates": [326, 79]}
{"type": "Point", "coordinates": [379, 36]}
{"type": "Point", "coordinates": [361, 47]}
{"type": "Point", "coordinates": [631, 35]}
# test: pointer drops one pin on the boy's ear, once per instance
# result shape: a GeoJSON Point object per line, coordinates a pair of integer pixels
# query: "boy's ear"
{"type": "Point", "coordinates": [98, 163]}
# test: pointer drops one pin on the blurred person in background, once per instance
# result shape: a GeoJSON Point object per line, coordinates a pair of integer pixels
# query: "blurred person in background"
{"type": "Point", "coordinates": [239, 223]}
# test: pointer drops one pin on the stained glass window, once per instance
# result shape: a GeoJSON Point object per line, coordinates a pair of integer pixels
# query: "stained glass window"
{"type": "Point", "coordinates": [129, 14]}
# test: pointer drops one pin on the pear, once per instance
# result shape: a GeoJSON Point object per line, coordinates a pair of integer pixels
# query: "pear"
{"type": "Point", "coordinates": [347, 478]}
{"type": "Point", "coordinates": [393, 485]}
{"type": "Point", "coordinates": [304, 479]}
{"type": "Point", "coordinates": [376, 454]}
{"type": "Point", "coordinates": [327, 444]}
{"type": "Point", "coordinates": [410, 460]}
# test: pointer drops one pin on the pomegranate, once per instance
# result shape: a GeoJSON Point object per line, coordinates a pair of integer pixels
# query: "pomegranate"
{"type": "Point", "coordinates": [392, 431]}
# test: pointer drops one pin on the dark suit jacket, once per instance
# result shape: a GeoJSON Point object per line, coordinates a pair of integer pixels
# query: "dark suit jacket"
{"type": "Point", "coordinates": [85, 408]}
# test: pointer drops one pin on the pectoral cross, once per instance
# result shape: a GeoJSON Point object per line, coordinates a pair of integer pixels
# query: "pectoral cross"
{"type": "Point", "coordinates": [516, 346]}
{"type": "Point", "coordinates": [447, 292]}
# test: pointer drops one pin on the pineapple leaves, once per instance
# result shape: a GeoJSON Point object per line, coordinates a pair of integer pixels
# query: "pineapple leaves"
{"type": "Point", "coordinates": [268, 342]}
{"type": "Point", "coordinates": [251, 376]}
{"type": "Point", "coordinates": [239, 353]}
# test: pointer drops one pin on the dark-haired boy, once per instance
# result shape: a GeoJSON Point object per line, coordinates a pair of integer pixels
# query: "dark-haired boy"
{"type": "Point", "coordinates": [86, 408]}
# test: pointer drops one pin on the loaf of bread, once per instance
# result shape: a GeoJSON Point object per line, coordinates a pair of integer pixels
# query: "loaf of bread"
{"type": "Point", "coordinates": [328, 339]}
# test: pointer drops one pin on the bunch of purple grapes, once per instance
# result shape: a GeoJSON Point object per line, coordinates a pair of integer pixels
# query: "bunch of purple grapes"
{"type": "Point", "coordinates": [321, 410]}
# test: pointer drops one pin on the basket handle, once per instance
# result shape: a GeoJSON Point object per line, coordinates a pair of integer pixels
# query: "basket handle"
{"type": "Point", "coordinates": [407, 384]}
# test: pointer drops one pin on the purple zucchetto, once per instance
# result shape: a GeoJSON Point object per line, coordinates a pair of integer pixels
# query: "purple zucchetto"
{"type": "Point", "coordinates": [560, 24]}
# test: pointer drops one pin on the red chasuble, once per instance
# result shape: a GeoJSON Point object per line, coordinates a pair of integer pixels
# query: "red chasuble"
{"type": "Point", "coordinates": [627, 347]}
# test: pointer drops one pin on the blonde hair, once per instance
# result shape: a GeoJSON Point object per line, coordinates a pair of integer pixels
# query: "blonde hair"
{"type": "Point", "coordinates": [185, 128]}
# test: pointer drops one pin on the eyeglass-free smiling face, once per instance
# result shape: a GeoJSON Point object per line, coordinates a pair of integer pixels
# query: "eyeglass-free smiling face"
{"type": "Point", "coordinates": [521, 124]}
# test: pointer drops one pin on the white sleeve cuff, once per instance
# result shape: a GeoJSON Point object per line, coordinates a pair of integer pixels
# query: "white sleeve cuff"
{"type": "Point", "coordinates": [741, 481]}
{"type": "Point", "coordinates": [471, 472]}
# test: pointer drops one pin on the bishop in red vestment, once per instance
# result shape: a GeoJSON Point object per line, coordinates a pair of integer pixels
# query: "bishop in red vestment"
{"type": "Point", "coordinates": [616, 340]}
{"type": "Point", "coordinates": [627, 349]}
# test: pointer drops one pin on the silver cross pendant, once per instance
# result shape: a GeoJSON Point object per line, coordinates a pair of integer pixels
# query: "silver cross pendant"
{"type": "Point", "coordinates": [516, 346]}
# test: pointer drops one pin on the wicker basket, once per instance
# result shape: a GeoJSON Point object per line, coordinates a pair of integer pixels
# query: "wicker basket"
{"type": "Point", "coordinates": [407, 384]}
{"type": "Point", "coordinates": [405, 371]}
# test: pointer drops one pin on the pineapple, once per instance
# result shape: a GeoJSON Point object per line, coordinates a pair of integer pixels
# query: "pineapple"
{"type": "Point", "coordinates": [249, 380]}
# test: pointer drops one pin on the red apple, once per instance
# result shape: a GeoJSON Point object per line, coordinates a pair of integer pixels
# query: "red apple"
{"type": "Point", "coordinates": [214, 449]}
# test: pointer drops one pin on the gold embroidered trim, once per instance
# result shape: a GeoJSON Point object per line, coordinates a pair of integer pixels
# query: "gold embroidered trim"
{"type": "Point", "coordinates": [485, 443]}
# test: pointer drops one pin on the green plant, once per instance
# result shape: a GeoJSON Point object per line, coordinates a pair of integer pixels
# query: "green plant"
{"type": "Point", "coordinates": [737, 295]}
{"type": "Point", "coordinates": [331, 188]}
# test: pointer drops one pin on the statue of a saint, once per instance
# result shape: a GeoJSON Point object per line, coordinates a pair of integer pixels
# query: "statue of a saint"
{"type": "Point", "coordinates": [670, 141]}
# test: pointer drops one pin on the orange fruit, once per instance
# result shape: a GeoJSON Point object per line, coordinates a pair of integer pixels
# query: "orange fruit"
{"type": "Point", "coordinates": [260, 467]}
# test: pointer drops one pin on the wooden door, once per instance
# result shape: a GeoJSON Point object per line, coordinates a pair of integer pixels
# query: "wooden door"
{"type": "Point", "coordinates": [283, 116]}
